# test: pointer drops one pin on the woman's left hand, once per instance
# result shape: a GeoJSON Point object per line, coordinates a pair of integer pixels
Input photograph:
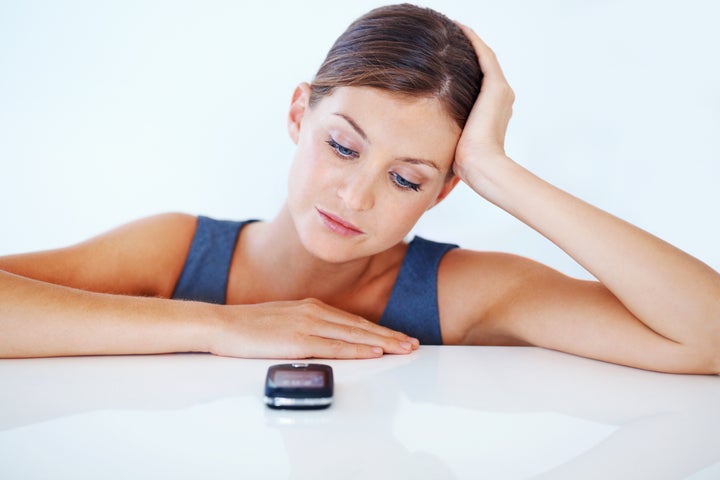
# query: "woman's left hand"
{"type": "Point", "coordinates": [482, 142]}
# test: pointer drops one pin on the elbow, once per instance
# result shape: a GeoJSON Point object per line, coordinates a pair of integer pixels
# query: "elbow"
{"type": "Point", "coordinates": [715, 361]}
{"type": "Point", "coordinates": [714, 346]}
{"type": "Point", "coordinates": [706, 360]}
{"type": "Point", "coordinates": [704, 352]}
{"type": "Point", "coordinates": [697, 359]}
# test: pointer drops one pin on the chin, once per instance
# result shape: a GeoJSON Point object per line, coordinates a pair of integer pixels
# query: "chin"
{"type": "Point", "coordinates": [332, 248]}
{"type": "Point", "coordinates": [325, 245]}
{"type": "Point", "coordinates": [337, 251]}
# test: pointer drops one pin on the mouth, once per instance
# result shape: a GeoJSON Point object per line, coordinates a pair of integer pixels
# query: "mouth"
{"type": "Point", "coordinates": [338, 225]}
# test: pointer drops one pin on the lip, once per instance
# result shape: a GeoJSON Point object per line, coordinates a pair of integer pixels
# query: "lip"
{"type": "Point", "coordinates": [338, 225]}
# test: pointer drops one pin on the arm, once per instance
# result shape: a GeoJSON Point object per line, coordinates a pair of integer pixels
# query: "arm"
{"type": "Point", "coordinates": [655, 306]}
{"type": "Point", "coordinates": [93, 298]}
{"type": "Point", "coordinates": [109, 295]}
{"type": "Point", "coordinates": [40, 319]}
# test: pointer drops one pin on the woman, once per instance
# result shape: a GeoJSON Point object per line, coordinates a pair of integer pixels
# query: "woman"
{"type": "Point", "coordinates": [390, 124]}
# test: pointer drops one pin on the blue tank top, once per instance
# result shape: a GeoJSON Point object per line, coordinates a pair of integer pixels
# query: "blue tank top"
{"type": "Point", "coordinates": [411, 309]}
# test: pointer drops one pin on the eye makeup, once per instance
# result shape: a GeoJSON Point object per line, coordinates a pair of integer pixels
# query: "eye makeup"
{"type": "Point", "coordinates": [403, 183]}
{"type": "Point", "coordinates": [340, 150]}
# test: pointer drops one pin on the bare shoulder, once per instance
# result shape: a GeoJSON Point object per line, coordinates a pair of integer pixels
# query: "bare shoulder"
{"type": "Point", "coordinates": [142, 257]}
{"type": "Point", "coordinates": [476, 289]}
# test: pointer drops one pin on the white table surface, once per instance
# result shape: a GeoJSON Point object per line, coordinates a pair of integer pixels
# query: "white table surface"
{"type": "Point", "coordinates": [442, 412]}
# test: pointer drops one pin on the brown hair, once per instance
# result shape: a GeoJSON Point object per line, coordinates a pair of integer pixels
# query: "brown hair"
{"type": "Point", "coordinates": [408, 50]}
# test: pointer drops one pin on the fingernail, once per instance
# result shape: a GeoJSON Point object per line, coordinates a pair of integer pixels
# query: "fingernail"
{"type": "Point", "coordinates": [406, 345]}
{"type": "Point", "coordinates": [377, 350]}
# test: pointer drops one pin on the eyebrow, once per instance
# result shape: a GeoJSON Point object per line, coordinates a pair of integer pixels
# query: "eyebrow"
{"type": "Point", "coordinates": [354, 125]}
{"type": "Point", "coordinates": [361, 132]}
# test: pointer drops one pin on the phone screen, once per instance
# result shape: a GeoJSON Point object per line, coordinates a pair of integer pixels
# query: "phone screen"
{"type": "Point", "coordinates": [298, 379]}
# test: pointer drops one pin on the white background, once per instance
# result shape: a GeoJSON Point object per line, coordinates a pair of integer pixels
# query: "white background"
{"type": "Point", "coordinates": [110, 111]}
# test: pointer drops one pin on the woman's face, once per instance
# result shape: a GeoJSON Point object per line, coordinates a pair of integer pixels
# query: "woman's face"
{"type": "Point", "coordinates": [368, 164]}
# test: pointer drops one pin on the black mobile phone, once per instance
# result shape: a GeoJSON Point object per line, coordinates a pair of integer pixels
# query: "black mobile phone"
{"type": "Point", "coordinates": [299, 386]}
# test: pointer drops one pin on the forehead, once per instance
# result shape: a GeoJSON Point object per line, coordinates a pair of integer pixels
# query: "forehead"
{"type": "Point", "coordinates": [411, 126]}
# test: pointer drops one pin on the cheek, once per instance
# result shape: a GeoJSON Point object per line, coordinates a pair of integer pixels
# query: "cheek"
{"type": "Point", "coordinates": [400, 213]}
{"type": "Point", "coordinates": [306, 172]}
{"type": "Point", "coordinates": [414, 212]}
{"type": "Point", "coordinates": [411, 208]}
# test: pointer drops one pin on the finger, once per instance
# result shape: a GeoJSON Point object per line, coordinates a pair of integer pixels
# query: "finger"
{"type": "Point", "coordinates": [341, 317]}
{"type": "Point", "coordinates": [320, 347]}
{"type": "Point", "coordinates": [486, 56]}
{"type": "Point", "coordinates": [357, 335]}
{"type": "Point", "coordinates": [379, 330]}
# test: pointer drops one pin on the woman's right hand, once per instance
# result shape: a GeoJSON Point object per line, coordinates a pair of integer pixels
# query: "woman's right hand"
{"type": "Point", "coordinates": [303, 329]}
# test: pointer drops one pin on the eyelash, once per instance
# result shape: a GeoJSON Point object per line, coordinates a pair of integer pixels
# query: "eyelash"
{"type": "Point", "coordinates": [340, 151]}
{"type": "Point", "coordinates": [403, 183]}
{"type": "Point", "coordinates": [345, 154]}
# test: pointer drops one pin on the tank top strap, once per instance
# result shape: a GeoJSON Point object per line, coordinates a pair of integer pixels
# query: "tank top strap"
{"type": "Point", "coordinates": [205, 274]}
{"type": "Point", "coordinates": [413, 305]}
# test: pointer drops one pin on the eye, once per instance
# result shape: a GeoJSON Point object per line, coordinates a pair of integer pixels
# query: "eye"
{"type": "Point", "coordinates": [340, 151]}
{"type": "Point", "coordinates": [404, 184]}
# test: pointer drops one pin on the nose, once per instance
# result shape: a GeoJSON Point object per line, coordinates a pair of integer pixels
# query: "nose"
{"type": "Point", "coordinates": [357, 191]}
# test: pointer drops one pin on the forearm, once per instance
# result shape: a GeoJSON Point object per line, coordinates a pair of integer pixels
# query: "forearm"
{"type": "Point", "coordinates": [673, 293]}
{"type": "Point", "coordinates": [38, 319]}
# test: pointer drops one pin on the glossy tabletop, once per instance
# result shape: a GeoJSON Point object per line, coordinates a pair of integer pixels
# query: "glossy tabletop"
{"type": "Point", "coordinates": [442, 412]}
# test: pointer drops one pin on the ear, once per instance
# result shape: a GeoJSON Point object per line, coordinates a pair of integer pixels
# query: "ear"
{"type": "Point", "coordinates": [446, 189]}
{"type": "Point", "coordinates": [298, 107]}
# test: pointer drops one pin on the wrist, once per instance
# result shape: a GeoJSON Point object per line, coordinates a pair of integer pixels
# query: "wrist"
{"type": "Point", "coordinates": [204, 326]}
{"type": "Point", "coordinates": [223, 330]}
{"type": "Point", "coordinates": [485, 176]}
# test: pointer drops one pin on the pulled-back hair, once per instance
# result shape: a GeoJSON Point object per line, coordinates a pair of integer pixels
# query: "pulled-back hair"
{"type": "Point", "coordinates": [408, 50]}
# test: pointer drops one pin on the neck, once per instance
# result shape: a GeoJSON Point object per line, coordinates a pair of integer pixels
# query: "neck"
{"type": "Point", "coordinates": [275, 249]}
